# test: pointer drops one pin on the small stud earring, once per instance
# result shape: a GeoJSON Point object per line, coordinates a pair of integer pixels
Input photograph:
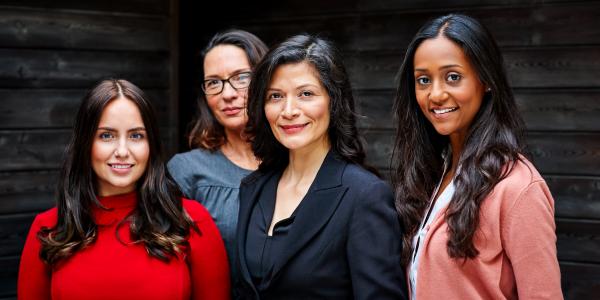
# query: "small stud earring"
{"type": "Point", "coordinates": [489, 89]}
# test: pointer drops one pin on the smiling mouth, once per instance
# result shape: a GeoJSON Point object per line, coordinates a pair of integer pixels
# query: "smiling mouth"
{"type": "Point", "coordinates": [121, 166]}
{"type": "Point", "coordinates": [293, 128]}
{"type": "Point", "coordinates": [441, 111]}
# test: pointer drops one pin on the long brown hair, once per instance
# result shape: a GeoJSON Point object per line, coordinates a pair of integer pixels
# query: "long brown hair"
{"type": "Point", "coordinates": [207, 132]}
{"type": "Point", "coordinates": [158, 221]}
{"type": "Point", "coordinates": [492, 144]}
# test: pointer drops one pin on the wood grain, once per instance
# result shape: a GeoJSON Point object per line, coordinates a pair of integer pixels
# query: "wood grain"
{"type": "Point", "coordinates": [26, 28]}
{"type": "Point", "coordinates": [80, 69]}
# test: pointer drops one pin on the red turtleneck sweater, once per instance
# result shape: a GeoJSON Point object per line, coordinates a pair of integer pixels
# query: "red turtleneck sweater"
{"type": "Point", "coordinates": [113, 269]}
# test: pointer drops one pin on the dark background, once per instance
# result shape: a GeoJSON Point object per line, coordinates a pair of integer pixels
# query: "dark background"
{"type": "Point", "coordinates": [51, 52]}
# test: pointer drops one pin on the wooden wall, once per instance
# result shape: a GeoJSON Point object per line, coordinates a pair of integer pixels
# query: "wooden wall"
{"type": "Point", "coordinates": [552, 53]}
{"type": "Point", "coordinates": [51, 52]}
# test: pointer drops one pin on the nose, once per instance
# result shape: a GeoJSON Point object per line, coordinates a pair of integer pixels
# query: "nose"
{"type": "Point", "coordinates": [290, 110]}
{"type": "Point", "coordinates": [229, 93]}
{"type": "Point", "coordinates": [438, 92]}
{"type": "Point", "coordinates": [122, 150]}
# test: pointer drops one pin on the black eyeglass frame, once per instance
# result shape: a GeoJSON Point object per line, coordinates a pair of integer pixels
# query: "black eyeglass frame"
{"type": "Point", "coordinates": [223, 81]}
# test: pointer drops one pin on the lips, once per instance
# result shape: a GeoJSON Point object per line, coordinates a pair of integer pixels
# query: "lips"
{"type": "Point", "coordinates": [121, 168]}
{"type": "Point", "coordinates": [231, 111]}
{"type": "Point", "coordinates": [294, 128]}
{"type": "Point", "coordinates": [441, 111]}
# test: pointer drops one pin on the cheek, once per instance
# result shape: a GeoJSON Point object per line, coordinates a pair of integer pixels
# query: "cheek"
{"type": "Point", "coordinates": [272, 113]}
{"type": "Point", "coordinates": [212, 102]}
{"type": "Point", "coordinates": [421, 100]}
{"type": "Point", "coordinates": [142, 152]}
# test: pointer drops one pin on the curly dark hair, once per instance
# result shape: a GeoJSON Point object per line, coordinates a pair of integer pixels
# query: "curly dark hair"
{"type": "Point", "coordinates": [206, 132]}
{"type": "Point", "coordinates": [327, 61]}
{"type": "Point", "coordinates": [158, 221]}
{"type": "Point", "coordinates": [492, 144]}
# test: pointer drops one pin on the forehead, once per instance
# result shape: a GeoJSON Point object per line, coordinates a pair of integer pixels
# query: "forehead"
{"type": "Point", "coordinates": [439, 51]}
{"type": "Point", "coordinates": [121, 112]}
{"type": "Point", "coordinates": [296, 74]}
{"type": "Point", "coordinates": [224, 59]}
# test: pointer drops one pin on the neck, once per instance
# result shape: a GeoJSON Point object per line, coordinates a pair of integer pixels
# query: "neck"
{"type": "Point", "coordinates": [305, 163]}
{"type": "Point", "coordinates": [238, 150]}
{"type": "Point", "coordinates": [457, 145]}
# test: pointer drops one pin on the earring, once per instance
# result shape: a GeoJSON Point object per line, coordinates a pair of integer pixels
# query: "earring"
{"type": "Point", "coordinates": [489, 89]}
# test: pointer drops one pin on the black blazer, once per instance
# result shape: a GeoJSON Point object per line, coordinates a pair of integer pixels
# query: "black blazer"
{"type": "Point", "coordinates": [345, 241]}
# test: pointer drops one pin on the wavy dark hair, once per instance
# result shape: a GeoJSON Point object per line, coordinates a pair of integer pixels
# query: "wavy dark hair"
{"type": "Point", "coordinates": [206, 132]}
{"type": "Point", "coordinates": [492, 144]}
{"type": "Point", "coordinates": [327, 61]}
{"type": "Point", "coordinates": [158, 221]}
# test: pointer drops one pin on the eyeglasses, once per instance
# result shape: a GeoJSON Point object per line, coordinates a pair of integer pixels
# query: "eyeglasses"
{"type": "Point", "coordinates": [214, 86]}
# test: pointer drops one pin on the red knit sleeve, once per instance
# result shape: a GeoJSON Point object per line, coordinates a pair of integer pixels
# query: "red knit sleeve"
{"type": "Point", "coordinates": [34, 275]}
{"type": "Point", "coordinates": [207, 257]}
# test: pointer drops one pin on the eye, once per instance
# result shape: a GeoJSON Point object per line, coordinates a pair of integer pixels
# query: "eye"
{"type": "Point", "coordinates": [453, 77]}
{"type": "Point", "coordinates": [106, 135]}
{"type": "Point", "coordinates": [211, 83]}
{"type": "Point", "coordinates": [423, 80]}
{"type": "Point", "coordinates": [242, 77]}
{"type": "Point", "coordinates": [306, 94]}
{"type": "Point", "coordinates": [274, 96]}
{"type": "Point", "coordinates": [136, 136]}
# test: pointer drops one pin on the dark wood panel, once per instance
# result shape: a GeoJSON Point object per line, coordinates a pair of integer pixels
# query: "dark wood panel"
{"type": "Point", "coordinates": [292, 8]}
{"type": "Point", "coordinates": [13, 232]}
{"type": "Point", "coordinates": [71, 69]}
{"type": "Point", "coordinates": [527, 68]}
{"type": "Point", "coordinates": [580, 280]}
{"type": "Point", "coordinates": [35, 108]}
{"type": "Point", "coordinates": [553, 153]}
{"type": "Point", "coordinates": [154, 7]}
{"type": "Point", "coordinates": [390, 30]}
{"type": "Point", "coordinates": [36, 149]}
{"type": "Point", "coordinates": [24, 150]}
{"type": "Point", "coordinates": [578, 240]}
{"type": "Point", "coordinates": [22, 192]}
{"type": "Point", "coordinates": [20, 28]}
{"type": "Point", "coordinates": [9, 268]}
{"type": "Point", "coordinates": [566, 153]}
{"type": "Point", "coordinates": [575, 196]}
{"type": "Point", "coordinates": [547, 109]}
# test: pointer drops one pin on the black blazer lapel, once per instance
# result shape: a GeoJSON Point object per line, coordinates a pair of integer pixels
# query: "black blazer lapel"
{"type": "Point", "coordinates": [249, 192]}
{"type": "Point", "coordinates": [317, 207]}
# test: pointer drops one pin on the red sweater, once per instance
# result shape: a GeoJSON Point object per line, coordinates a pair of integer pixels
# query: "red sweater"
{"type": "Point", "coordinates": [111, 269]}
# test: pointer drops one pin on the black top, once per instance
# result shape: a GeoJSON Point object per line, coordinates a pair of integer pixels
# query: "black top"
{"type": "Point", "coordinates": [261, 248]}
{"type": "Point", "coordinates": [344, 243]}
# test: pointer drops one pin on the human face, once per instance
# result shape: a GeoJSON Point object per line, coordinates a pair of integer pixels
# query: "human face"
{"type": "Point", "coordinates": [120, 149]}
{"type": "Point", "coordinates": [447, 87]}
{"type": "Point", "coordinates": [297, 108]}
{"type": "Point", "coordinates": [229, 106]}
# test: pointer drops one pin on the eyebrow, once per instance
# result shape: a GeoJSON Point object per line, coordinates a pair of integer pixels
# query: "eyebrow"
{"type": "Point", "coordinates": [442, 68]}
{"type": "Point", "coordinates": [236, 72]}
{"type": "Point", "coordinates": [132, 129]}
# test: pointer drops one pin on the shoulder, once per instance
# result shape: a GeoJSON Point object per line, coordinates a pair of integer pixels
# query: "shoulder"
{"type": "Point", "coordinates": [523, 183]}
{"type": "Point", "coordinates": [356, 176]}
{"type": "Point", "coordinates": [195, 210]}
{"type": "Point", "coordinates": [47, 218]}
{"type": "Point", "coordinates": [190, 158]}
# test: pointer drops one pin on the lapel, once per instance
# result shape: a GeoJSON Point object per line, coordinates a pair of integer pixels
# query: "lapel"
{"type": "Point", "coordinates": [249, 192]}
{"type": "Point", "coordinates": [316, 209]}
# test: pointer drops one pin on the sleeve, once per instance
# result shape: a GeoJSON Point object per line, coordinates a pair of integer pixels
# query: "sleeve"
{"type": "Point", "coordinates": [209, 268]}
{"type": "Point", "coordinates": [34, 275]}
{"type": "Point", "coordinates": [374, 246]}
{"type": "Point", "coordinates": [530, 244]}
{"type": "Point", "coordinates": [177, 169]}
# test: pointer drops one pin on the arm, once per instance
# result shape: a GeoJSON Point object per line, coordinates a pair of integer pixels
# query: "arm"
{"type": "Point", "coordinates": [177, 169]}
{"type": "Point", "coordinates": [209, 268]}
{"type": "Point", "coordinates": [34, 275]}
{"type": "Point", "coordinates": [374, 246]}
{"type": "Point", "coordinates": [530, 244]}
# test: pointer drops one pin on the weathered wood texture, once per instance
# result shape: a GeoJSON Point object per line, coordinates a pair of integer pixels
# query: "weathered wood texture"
{"type": "Point", "coordinates": [51, 53]}
{"type": "Point", "coordinates": [552, 57]}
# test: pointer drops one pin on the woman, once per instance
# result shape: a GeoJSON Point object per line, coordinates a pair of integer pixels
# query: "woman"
{"type": "Point", "coordinates": [121, 229]}
{"type": "Point", "coordinates": [478, 216]}
{"type": "Point", "coordinates": [313, 224]}
{"type": "Point", "coordinates": [221, 156]}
